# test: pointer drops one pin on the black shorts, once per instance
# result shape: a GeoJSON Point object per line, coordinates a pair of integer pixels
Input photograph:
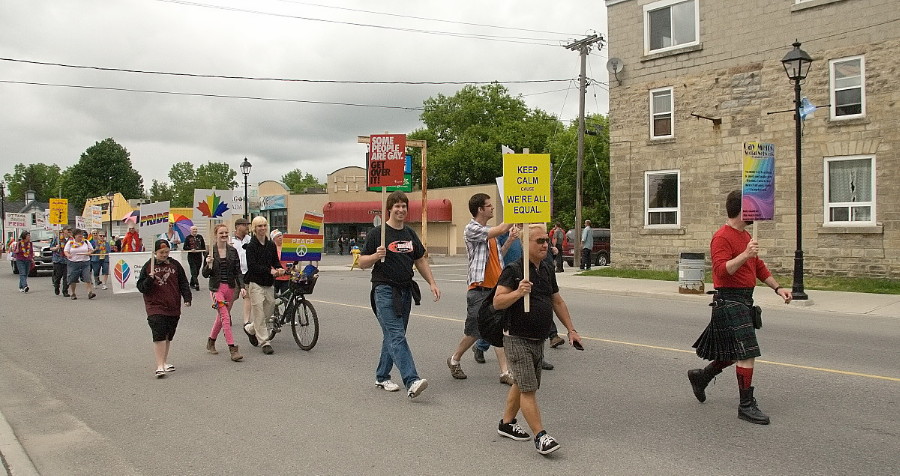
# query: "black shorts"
{"type": "Point", "coordinates": [163, 327]}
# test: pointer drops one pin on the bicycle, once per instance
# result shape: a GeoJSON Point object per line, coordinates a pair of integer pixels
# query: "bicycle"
{"type": "Point", "coordinates": [291, 306]}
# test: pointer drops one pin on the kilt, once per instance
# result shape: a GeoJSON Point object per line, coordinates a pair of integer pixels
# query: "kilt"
{"type": "Point", "coordinates": [730, 334]}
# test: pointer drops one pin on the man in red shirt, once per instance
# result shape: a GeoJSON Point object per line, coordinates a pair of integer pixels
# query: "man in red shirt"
{"type": "Point", "coordinates": [730, 336]}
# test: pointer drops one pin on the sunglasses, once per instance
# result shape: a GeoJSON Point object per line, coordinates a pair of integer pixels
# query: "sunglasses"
{"type": "Point", "coordinates": [542, 241]}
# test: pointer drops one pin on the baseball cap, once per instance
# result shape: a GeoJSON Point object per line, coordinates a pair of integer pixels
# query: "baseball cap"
{"type": "Point", "coordinates": [242, 221]}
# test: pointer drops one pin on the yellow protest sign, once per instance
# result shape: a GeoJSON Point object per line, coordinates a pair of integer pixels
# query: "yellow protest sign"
{"type": "Point", "coordinates": [526, 188]}
{"type": "Point", "coordinates": [59, 211]}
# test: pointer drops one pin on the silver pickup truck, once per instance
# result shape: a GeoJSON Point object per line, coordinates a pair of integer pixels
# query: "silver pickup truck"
{"type": "Point", "coordinates": [43, 257]}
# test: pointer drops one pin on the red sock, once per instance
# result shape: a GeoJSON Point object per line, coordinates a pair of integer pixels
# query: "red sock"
{"type": "Point", "coordinates": [744, 377]}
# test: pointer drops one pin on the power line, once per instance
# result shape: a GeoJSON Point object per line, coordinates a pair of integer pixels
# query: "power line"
{"type": "Point", "coordinates": [454, 22]}
{"type": "Point", "coordinates": [506, 39]}
{"type": "Point", "coordinates": [254, 78]}
{"type": "Point", "coordinates": [208, 95]}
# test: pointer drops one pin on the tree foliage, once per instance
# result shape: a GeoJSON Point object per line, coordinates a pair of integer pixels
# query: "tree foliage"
{"type": "Point", "coordinates": [160, 192]}
{"type": "Point", "coordinates": [464, 133]}
{"type": "Point", "coordinates": [104, 167]}
{"type": "Point", "coordinates": [297, 182]}
{"type": "Point", "coordinates": [185, 179]}
{"type": "Point", "coordinates": [43, 179]}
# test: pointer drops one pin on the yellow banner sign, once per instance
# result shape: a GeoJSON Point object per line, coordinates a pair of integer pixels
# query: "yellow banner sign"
{"type": "Point", "coordinates": [526, 188]}
{"type": "Point", "coordinates": [59, 211]}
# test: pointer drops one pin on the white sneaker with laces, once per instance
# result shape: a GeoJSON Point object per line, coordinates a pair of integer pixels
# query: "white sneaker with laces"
{"type": "Point", "coordinates": [103, 287]}
{"type": "Point", "coordinates": [417, 388]}
{"type": "Point", "coordinates": [248, 328]}
{"type": "Point", "coordinates": [387, 385]}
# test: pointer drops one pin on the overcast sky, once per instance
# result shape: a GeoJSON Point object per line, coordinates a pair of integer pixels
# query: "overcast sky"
{"type": "Point", "coordinates": [341, 40]}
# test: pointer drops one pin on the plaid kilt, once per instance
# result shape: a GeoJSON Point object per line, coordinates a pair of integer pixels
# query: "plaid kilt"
{"type": "Point", "coordinates": [730, 334]}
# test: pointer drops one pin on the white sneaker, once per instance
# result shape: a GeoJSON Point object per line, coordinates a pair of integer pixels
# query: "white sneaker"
{"type": "Point", "coordinates": [103, 287]}
{"type": "Point", "coordinates": [248, 328]}
{"type": "Point", "coordinates": [387, 385]}
{"type": "Point", "coordinates": [417, 388]}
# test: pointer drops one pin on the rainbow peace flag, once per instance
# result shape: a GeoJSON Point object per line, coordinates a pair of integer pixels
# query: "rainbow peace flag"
{"type": "Point", "coordinates": [302, 247]}
{"type": "Point", "coordinates": [312, 224]}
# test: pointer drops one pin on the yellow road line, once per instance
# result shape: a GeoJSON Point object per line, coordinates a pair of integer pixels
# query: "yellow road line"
{"type": "Point", "coordinates": [647, 346]}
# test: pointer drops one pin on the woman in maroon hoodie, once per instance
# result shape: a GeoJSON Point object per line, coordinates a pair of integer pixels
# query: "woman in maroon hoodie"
{"type": "Point", "coordinates": [163, 290]}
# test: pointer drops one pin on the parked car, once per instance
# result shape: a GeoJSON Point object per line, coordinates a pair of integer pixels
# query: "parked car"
{"type": "Point", "coordinates": [599, 252]}
{"type": "Point", "coordinates": [43, 257]}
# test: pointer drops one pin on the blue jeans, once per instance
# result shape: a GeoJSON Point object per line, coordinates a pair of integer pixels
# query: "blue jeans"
{"type": "Point", "coordinates": [394, 348]}
{"type": "Point", "coordinates": [24, 268]}
{"type": "Point", "coordinates": [482, 345]}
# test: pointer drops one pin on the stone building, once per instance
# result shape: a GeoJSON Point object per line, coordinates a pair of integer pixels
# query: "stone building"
{"type": "Point", "coordinates": [701, 77]}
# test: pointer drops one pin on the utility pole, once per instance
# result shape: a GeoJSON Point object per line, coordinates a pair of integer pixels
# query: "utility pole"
{"type": "Point", "coordinates": [583, 47]}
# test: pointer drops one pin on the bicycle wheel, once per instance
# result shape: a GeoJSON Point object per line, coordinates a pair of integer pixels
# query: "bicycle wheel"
{"type": "Point", "coordinates": [305, 324]}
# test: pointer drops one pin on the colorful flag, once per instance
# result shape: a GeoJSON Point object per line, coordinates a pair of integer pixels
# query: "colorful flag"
{"type": "Point", "coordinates": [302, 247]}
{"type": "Point", "coordinates": [312, 223]}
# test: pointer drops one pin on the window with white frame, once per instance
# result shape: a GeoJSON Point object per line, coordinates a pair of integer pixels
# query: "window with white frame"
{"type": "Point", "coordinates": [671, 24]}
{"type": "Point", "coordinates": [661, 113]}
{"type": "Point", "coordinates": [662, 196]}
{"type": "Point", "coordinates": [850, 190]}
{"type": "Point", "coordinates": [848, 92]}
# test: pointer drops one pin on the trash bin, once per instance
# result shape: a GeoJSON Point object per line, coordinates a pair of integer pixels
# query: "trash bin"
{"type": "Point", "coordinates": [691, 271]}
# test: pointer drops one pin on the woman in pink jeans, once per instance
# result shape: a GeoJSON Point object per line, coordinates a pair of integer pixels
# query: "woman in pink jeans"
{"type": "Point", "coordinates": [223, 268]}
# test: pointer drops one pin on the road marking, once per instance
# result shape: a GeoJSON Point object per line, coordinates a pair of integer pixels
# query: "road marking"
{"type": "Point", "coordinates": [647, 346]}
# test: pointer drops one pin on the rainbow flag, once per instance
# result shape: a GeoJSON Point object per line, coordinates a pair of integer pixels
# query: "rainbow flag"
{"type": "Point", "coordinates": [302, 247]}
{"type": "Point", "coordinates": [312, 223]}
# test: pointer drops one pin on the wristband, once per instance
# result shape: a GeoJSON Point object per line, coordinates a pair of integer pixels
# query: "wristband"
{"type": "Point", "coordinates": [776, 289]}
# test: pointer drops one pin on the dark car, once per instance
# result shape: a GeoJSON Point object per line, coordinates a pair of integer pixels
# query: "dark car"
{"type": "Point", "coordinates": [599, 252]}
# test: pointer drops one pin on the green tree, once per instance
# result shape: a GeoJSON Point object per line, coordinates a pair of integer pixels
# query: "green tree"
{"type": "Point", "coordinates": [160, 192]}
{"type": "Point", "coordinates": [103, 167]}
{"type": "Point", "coordinates": [297, 182]}
{"type": "Point", "coordinates": [465, 132]}
{"type": "Point", "coordinates": [185, 179]}
{"type": "Point", "coordinates": [43, 179]}
{"type": "Point", "coordinates": [595, 172]}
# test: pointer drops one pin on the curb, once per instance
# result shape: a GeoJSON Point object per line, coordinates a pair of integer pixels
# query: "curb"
{"type": "Point", "coordinates": [15, 460]}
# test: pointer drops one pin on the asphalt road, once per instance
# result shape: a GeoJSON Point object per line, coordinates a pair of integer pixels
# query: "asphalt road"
{"type": "Point", "coordinates": [76, 386]}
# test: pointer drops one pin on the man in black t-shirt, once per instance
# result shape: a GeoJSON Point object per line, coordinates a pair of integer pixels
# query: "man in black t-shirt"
{"type": "Point", "coordinates": [393, 290]}
{"type": "Point", "coordinates": [525, 334]}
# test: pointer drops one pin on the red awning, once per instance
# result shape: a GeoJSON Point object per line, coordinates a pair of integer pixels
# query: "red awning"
{"type": "Point", "coordinates": [439, 210]}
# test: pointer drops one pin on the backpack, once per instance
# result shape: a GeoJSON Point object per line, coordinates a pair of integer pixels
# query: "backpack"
{"type": "Point", "coordinates": [491, 321]}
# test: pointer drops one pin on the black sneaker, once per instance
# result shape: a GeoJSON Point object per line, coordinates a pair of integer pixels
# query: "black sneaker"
{"type": "Point", "coordinates": [479, 355]}
{"type": "Point", "coordinates": [512, 430]}
{"type": "Point", "coordinates": [252, 338]}
{"type": "Point", "coordinates": [545, 444]}
{"type": "Point", "coordinates": [267, 349]}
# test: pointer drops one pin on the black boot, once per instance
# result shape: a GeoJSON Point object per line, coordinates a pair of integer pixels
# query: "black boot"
{"type": "Point", "coordinates": [749, 411]}
{"type": "Point", "coordinates": [700, 378]}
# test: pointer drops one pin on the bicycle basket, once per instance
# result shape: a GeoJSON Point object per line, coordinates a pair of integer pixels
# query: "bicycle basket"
{"type": "Point", "coordinates": [303, 284]}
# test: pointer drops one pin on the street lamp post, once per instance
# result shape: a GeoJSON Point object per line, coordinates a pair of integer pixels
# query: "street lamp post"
{"type": "Point", "coordinates": [245, 169]}
{"type": "Point", "coordinates": [111, 197]}
{"type": "Point", "coordinates": [796, 64]}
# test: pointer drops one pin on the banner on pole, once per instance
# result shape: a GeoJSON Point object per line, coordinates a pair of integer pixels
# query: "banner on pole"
{"type": "Point", "coordinates": [96, 217]}
{"type": "Point", "coordinates": [758, 182]}
{"type": "Point", "coordinates": [312, 223]}
{"type": "Point", "coordinates": [302, 247]}
{"type": "Point", "coordinates": [17, 220]}
{"type": "Point", "coordinates": [125, 268]}
{"type": "Point", "coordinates": [214, 203]}
{"type": "Point", "coordinates": [79, 222]}
{"type": "Point", "coordinates": [59, 211]}
{"type": "Point", "coordinates": [154, 221]}
{"type": "Point", "coordinates": [387, 160]}
{"type": "Point", "coordinates": [526, 188]}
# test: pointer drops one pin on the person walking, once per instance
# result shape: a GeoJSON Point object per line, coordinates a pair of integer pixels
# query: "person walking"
{"type": "Point", "coordinates": [556, 241]}
{"type": "Point", "coordinates": [78, 252]}
{"type": "Point", "coordinates": [60, 263]}
{"type": "Point", "coordinates": [23, 252]}
{"type": "Point", "coordinates": [524, 335]}
{"type": "Point", "coordinates": [223, 268]}
{"type": "Point", "coordinates": [263, 266]}
{"type": "Point", "coordinates": [587, 243]}
{"type": "Point", "coordinates": [195, 245]}
{"type": "Point", "coordinates": [163, 283]}
{"type": "Point", "coordinates": [394, 289]}
{"type": "Point", "coordinates": [485, 264]}
{"type": "Point", "coordinates": [730, 336]}
{"type": "Point", "coordinates": [171, 236]}
{"type": "Point", "coordinates": [239, 241]}
{"type": "Point", "coordinates": [100, 259]}
{"type": "Point", "coordinates": [132, 242]}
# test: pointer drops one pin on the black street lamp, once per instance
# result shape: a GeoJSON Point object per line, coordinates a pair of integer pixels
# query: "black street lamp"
{"type": "Point", "coordinates": [111, 197]}
{"type": "Point", "coordinates": [796, 65]}
{"type": "Point", "coordinates": [245, 169]}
